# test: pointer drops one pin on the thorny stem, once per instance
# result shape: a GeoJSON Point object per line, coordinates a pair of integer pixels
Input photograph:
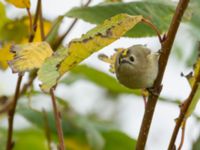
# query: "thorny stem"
{"type": "Point", "coordinates": [157, 87]}
{"type": "Point", "coordinates": [58, 121]}
{"type": "Point", "coordinates": [11, 113]}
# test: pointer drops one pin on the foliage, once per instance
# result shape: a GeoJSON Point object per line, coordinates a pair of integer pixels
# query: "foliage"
{"type": "Point", "coordinates": [159, 13]}
{"type": "Point", "coordinates": [49, 62]}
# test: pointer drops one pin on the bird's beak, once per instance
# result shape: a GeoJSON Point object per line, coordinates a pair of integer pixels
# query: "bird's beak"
{"type": "Point", "coordinates": [124, 60]}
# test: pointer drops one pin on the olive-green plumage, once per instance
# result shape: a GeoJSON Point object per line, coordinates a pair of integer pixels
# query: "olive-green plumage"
{"type": "Point", "coordinates": [137, 67]}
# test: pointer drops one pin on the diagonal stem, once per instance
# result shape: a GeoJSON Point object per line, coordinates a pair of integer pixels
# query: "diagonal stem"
{"type": "Point", "coordinates": [183, 111]}
{"type": "Point", "coordinates": [62, 37]}
{"type": "Point", "coordinates": [11, 114]}
{"type": "Point", "coordinates": [157, 87]}
{"type": "Point", "coordinates": [58, 121]}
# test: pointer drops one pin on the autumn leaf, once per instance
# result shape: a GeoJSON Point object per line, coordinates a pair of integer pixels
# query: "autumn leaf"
{"type": "Point", "coordinates": [192, 77]}
{"type": "Point", "coordinates": [18, 30]}
{"type": "Point", "coordinates": [48, 73]}
{"type": "Point", "coordinates": [5, 56]}
{"type": "Point", "coordinates": [20, 3]}
{"type": "Point", "coordinates": [29, 56]}
{"type": "Point", "coordinates": [97, 38]}
{"type": "Point", "coordinates": [79, 49]}
{"type": "Point", "coordinates": [32, 55]}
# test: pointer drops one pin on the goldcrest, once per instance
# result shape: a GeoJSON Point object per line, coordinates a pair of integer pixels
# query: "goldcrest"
{"type": "Point", "coordinates": [137, 67]}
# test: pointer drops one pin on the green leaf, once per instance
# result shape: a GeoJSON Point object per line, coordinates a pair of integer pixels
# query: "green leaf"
{"type": "Point", "coordinates": [95, 133]}
{"type": "Point", "coordinates": [17, 30]}
{"type": "Point", "coordinates": [29, 139]}
{"type": "Point", "coordinates": [99, 78]}
{"type": "Point", "coordinates": [79, 49]}
{"type": "Point", "coordinates": [196, 144]}
{"type": "Point", "coordinates": [53, 33]}
{"type": "Point", "coordinates": [3, 16]}
{"type": "Point", "coordinates": [14, 31]}
{"type": "Point", "coordinates": [192, 79]}
{"type": "Point", "coordinates": [48, 73]}
{"type": "Point", "coordinates": [116, 140]}
{"type": "Point", "coordinates": [195, 20]}
{"type": "Point", "coordinates": [159, 13]}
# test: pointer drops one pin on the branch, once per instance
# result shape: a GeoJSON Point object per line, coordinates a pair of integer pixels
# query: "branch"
{"type": "Point", "coordinates": [41, 21]}
{"type": "Point", "coordinates": [184, 108]}
{"type": "Point", "coordinates": [47, 129]}
{"type": "Point", "coordinates": [62, 37]}
{"type": "Point", "coordinates": [34, 26]}
{"type": "Point", "coordinates": [58, 121]}
{"type": "Point", "coordinates": [147, 22]}
{"type": "Point", "coordinates": [11, 113]}
{"type": "Point", "coordinates": [157, 87]}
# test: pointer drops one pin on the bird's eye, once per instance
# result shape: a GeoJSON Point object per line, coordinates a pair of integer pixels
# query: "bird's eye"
{"type": "Point", "coordinates": [131, 58]}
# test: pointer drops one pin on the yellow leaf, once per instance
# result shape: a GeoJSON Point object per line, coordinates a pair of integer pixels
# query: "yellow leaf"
{"type": "Point", "coordinates": [20, 3]}
{"type": "Point", "coordinates": [79, 49]}
{"type": "Point", "coordinates": [97, 38]}
{"type": "Point", "coordinates": [47, 26]}
{"type": "Point", "coordinates": [29, 56]}
{"type": "Point", "coordinates": [5, 56]}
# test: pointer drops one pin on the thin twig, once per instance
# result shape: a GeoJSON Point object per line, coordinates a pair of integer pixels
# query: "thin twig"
{"type": "Point", "coordinates": [183, 111]}
{"type": "Point", "coordinates": [30, 19]}
{"type": "Point", "coordinates": [47, 129]}
{"type": "Point", "coordinates": [58, 121]}
{"type": "Point", "coordinates": [11, 113]}
{"type": "Point", "coordinates": [88, 2]}
{"type": "Point", "coordinates": [157, 87]}
{"type": "Point", "coordinates": [182, 135]}
{"type": "Point", "coordinates": [12, 109]}
{"type": "Point", "coordinates": [62, 37]}
{"type": "Point", "coordinates": [34, 26]}
{"type": "Point", "coordinates": [41, 22]}
{"type": "Point", "coordinates": [154, 28]}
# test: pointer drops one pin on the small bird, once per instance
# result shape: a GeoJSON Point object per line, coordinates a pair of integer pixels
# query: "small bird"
{"type": "Point", "coordinates": [135, 67]}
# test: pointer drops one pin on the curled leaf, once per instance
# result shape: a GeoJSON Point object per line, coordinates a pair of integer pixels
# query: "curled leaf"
{"type": "Point", "coordinates": [94, 40]}
{"type": "Point", "coordinates": [97, 38]}
{"type": "Point", "coordinates": [29, 56]}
